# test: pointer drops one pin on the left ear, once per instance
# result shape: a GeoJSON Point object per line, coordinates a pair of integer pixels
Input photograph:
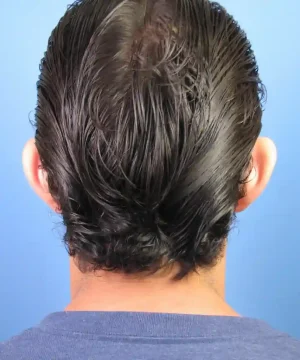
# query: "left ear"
{"type": "Point", "coordinates": [36, 175]}
{"type": "Point", "coordinates": [264, 156]}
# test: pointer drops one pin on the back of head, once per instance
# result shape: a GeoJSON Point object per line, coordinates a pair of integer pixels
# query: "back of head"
{"type": "Point", "coordinates": [147, 115]}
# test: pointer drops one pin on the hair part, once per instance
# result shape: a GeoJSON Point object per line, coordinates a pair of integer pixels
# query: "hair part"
{"type": "Point", "coordinates": [146, 118]}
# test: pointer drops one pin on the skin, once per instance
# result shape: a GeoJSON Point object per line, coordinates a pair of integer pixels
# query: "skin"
{"type": "Point", "coordinates": [201, 293]}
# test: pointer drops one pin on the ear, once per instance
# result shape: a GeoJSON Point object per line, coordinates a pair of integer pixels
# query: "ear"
{"type": "Point", "coordinates": [36, 175]}
{"type": "Point", "coordinates": [264, 157]}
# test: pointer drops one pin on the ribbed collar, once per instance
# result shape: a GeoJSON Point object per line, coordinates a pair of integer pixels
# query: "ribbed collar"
{"type": "Point", "coordinates": [151, 325]}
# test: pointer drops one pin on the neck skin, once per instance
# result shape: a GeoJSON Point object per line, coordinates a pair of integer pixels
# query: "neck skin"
{"type": "Point", "coordinates": [199, 294]}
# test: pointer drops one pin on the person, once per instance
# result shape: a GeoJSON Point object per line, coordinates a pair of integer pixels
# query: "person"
{"type": "Point", "coordinates": [147, 143]}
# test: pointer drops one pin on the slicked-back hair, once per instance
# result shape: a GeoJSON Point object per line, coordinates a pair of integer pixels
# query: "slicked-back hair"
{"type": "Point", "coordinates": [146, 118]}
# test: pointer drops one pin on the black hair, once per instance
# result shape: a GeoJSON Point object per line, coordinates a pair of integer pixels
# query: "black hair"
{"type": "Point", "coordinates": [146, 118]}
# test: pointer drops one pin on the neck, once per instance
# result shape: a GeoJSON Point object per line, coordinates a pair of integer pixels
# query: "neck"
{"type": "Point", "coordinates": [201, 293]}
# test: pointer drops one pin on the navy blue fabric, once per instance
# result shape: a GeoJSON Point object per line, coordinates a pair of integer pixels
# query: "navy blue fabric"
{"type": "Point", "coordinates": [145, 336]}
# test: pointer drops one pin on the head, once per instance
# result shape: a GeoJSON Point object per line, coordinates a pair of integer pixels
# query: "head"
{"type": "Point", "coordinates": [147, 133]}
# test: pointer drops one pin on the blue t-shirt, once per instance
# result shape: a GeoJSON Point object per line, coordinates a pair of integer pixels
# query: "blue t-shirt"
{"type": "Point", "coordinates": [145, 336]}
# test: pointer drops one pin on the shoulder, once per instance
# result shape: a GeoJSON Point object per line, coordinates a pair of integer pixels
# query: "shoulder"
{"type": "Point", "coordinates": [278, 347]}
{"type": "Point", "coordinates": [269, 344]}
{"type": "Point", "coordinates": [30, 345]}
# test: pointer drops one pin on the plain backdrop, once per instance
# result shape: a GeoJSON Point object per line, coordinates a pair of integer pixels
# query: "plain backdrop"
{"type": "Point", "coordinates": [264, 252]}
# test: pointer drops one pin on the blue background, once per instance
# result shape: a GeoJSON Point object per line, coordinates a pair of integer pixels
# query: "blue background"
{"type": "Point", "coordinates": [264, 252]}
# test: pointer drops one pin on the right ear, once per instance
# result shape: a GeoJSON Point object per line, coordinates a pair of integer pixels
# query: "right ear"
{"type": "Point", "coordinates": [264, 157]}
{"type": "Point", "coordinates": [36, 175]}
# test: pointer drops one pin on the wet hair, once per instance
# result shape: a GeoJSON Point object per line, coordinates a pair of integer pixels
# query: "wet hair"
{"type": "Point", "coordinates": [146, 118]}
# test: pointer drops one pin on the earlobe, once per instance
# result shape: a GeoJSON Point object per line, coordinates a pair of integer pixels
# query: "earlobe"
{"type": "Point", "coordinates": [36, 175]}
{"type": "Point", "coordinates": [264, 158]}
